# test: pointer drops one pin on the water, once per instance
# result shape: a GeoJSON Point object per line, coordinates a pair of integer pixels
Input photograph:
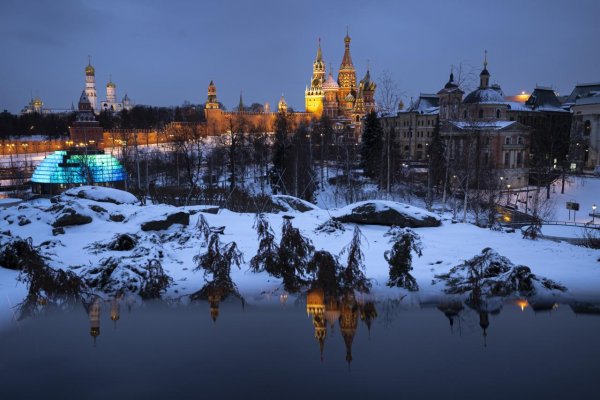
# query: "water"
{"type": "Point", "coordinates": [269, 350]}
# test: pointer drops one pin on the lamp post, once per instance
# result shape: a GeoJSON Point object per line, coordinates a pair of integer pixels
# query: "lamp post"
{"type": "Point", "coordinates": [508, 195]}
{"type": "Point", "coordinates": [593, 213]}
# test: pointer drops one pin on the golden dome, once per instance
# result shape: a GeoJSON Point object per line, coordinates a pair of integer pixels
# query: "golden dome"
{"type": "Point", "coordinates": [111, 85]}
{"type": "Point", "coordinates": [89, 70]}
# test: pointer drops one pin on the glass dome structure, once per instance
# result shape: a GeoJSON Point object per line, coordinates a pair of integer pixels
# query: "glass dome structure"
{"type": "Point", "coordinates": [66, 168]}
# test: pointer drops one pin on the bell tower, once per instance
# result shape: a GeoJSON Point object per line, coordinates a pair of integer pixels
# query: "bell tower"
{"type": "Point", "coordinates": [313, 95]}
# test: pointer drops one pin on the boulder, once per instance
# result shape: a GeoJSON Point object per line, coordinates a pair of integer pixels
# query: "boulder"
{"type": "Point", "coordinates": [116, 217]}
{"type": "Point", "coordinates": [180, 217]}
{"type": "Point", "coordinates": [70, 217]}
{"type": "Point", "coordinates": [291, 203]}
{"type": "Point", "coordinates": [388, 213]}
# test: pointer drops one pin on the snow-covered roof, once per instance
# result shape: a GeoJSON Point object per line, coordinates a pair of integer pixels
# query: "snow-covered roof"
{"type": "Point", "coordinates": [427, 103]}
{"type": "Point", "coordinates": [592, 98]}
{"type": "Point", "coordinates": [582, 90]}
{"type": "Point", "coordinates": [485, 125]}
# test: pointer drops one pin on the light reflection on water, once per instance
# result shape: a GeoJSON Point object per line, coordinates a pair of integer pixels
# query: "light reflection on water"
{"type": "Point", "coordinates": [304, 346]}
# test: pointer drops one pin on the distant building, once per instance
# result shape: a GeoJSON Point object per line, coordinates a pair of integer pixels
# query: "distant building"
{"type": "Point", "coordinates": [584, 102]}
{"type": "Point", "coordinates": [86, 130]}
{"type": "Point", "coordinates": [111, 104]}
{"type": "Point", "coordinates": [34, 106]}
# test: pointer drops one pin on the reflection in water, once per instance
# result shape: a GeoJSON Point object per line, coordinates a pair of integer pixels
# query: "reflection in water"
{"type": "Point", "coordinates": [115, 311]}
{"type": "Point", "coordinates": [94, 315]}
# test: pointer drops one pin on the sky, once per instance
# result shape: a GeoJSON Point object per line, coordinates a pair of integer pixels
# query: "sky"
{"type": "Point", "coordinates": [165, 52]}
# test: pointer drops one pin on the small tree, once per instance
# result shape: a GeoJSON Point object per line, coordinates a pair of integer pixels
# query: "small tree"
{"type": "Point", "coordinates": [266, 259]}
{"type": "Point", "coordinates": [217, 259]}
{"type": "Point", "coordinates": [294, 253]}
{"type": "Point", "coordinates": [353, 277]}
{"type": "Point", "coordinates": [156, 281]}
{"type": "Point", "coordinates": [400, 259]}
{"type": "Point", "coordinates": [371, 146]}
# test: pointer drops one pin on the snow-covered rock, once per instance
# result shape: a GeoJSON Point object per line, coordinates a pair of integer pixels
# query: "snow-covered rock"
{"type": "Point", "coordinates": [291, 203]}
{"type": "Point", "coordinates": [389, 213]}
{"type": "Point", "coordinates": [102, 194]}
{"type": "Point", "coordinates": [166, 221]}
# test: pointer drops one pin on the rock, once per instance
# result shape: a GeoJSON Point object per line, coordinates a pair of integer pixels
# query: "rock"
{"type": "Point", "coordinates": [122, 242]}
{"type": "Point", "coordinates": [70, 217]}
{"type": "Point", "coordinates": [388, 213]}
{"type": "Point", "coordinates": [58, 231]}
{"type": "Point", "coordinates": [97, 208]}
{"type": "Point", "coordinates": [181, 217]}
{"type": "Point", "coordinates": [291, 203]}
{"type": "Point", "coordinates": [116, 217]}
{"type": "Point", "coordinates": [23, 220]}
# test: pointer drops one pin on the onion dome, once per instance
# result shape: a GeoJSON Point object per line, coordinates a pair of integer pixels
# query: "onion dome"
{"type": "Point", "coordinates": [366, 83]}
{"type": "Point", "coordinates": [330, 84]}
{"type": "Point", "coordinates": [111, 84]}
{"type": "Point", "coordinates": [349, 98]}
{"type": "Point", "coordinates": [89, 70]}
{"type": "Point", "coordinates": [37, 102]}
{"type": "Point", "coordinates": [451, 84]}
{"type": "Point", "coordinates": [400, 105]}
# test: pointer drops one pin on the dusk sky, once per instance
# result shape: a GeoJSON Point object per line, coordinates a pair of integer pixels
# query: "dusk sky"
{"type": "Point", "coordinates": [166, 52]}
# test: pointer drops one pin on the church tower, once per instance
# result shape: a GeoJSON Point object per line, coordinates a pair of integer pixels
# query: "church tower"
{"type": "Point", "coordinates": [450, 99]}
{"type": "Point", "coordinates": [347, 78]}
{"type": "Point", "coordinates": [111, 92]}
{"type": "Point", "coordinates": [90, 85]}
{"type": "Point", "coordinates": [330, 92]}
{"type": "Point", "coordinates": [313, 96]}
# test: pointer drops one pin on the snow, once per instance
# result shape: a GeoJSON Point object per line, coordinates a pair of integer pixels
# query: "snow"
{"type": "Point", "coordinates": [495, 125]}
{"type": "Point", "coordinates": [444, 247]}
{"type": "Point", "coordinates": [103, 194]}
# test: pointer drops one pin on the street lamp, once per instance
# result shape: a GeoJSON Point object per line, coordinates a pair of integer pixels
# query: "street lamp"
{"type": "Point", "coordinates": [508, 195]}
{"type": "Point", "coordinates": [593, 213]}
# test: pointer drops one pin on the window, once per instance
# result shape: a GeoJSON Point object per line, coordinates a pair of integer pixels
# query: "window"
{"type": "Point", "coordinates": [498, 114]}
{"type": "Point", "coordinates": [587, 128]}
{"type": "Point", "coordinates": [480, 113]}
{"type": "Point", "coordinates": [520, 140]}
{"type": "Point", "coordinates": [465, 114]}
{"type": "Point", "coordinates": [507, 140]}
{"type": "Point", "coordinates": [506, 159]}
{"type": "Point", "coordinates": [520, 159]}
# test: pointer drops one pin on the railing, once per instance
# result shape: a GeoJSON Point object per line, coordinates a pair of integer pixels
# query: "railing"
{"type": "Point", "coordinates": [572, 223]}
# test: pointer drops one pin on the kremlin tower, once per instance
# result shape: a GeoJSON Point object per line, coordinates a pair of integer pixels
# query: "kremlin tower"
{"type": "Point", "coordinates": [313, 95]}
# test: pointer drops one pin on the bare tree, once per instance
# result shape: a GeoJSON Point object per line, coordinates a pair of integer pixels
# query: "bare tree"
{"type": "Point", "coordinates": [388, 93]}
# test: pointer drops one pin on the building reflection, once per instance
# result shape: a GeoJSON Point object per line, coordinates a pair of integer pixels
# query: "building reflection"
{"type": "Point", "coordinates": [348, 322]}
{"type": "Point", "coordinates": [94, 316]}
{"type": "Point", "coordinates": [315, 307]}
{"type": "Point", "coordinates": [115, 312]}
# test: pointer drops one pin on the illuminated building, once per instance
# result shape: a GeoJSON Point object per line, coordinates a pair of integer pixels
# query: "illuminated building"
{"type": "Point", "coordinates": [35, 106]}
{"type": "Point", "coordinates": [332, 311]}
{"type": "Point", "coordinates": [344, 100]}
{"type": "Point", "coordinates": [111, 104]}
{"type": "Point", "coordinates": [90, 86]}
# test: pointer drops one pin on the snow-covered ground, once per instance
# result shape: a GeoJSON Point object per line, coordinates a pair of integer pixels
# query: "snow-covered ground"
{"type": "Point", "coordinates": [575, 267]}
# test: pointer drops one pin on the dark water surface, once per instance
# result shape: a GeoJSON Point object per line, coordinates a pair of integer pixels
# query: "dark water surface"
{"type": "Point", "coordinates": [270, 351]}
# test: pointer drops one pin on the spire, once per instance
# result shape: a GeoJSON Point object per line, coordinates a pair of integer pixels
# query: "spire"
{"type": "Point", "coordinates": [485, 60]}
{"type": "Point", "coordinates": [319, 52]}
{"type": "Point", "coordinates": [484, 76]}
{"type": "Point", "coordinates": [347, 60]}
{"type": "Point", "coordinates": [241, 105]}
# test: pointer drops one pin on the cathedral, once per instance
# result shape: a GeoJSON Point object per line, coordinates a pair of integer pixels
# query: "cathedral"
{"type": "Point", "coordinates": [340, 100]}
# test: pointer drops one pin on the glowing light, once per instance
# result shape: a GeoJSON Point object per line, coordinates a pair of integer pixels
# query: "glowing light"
{"type": "Point", "coordinates": [523, 303]}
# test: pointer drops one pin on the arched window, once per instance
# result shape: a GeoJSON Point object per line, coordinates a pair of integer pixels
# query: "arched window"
{"type": "Point", "coordinates": [507, 140]}
{"type": "Point", "coordinates": [465, 114]}
{"type": "Point", "coordinates": [587, 128]}
{"type": "Point", "coordinates": [498, 113]}
{"type": "Point", "coordinates": [480, 113]}
{"type": "Point", "coordinates": [520, 140]}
